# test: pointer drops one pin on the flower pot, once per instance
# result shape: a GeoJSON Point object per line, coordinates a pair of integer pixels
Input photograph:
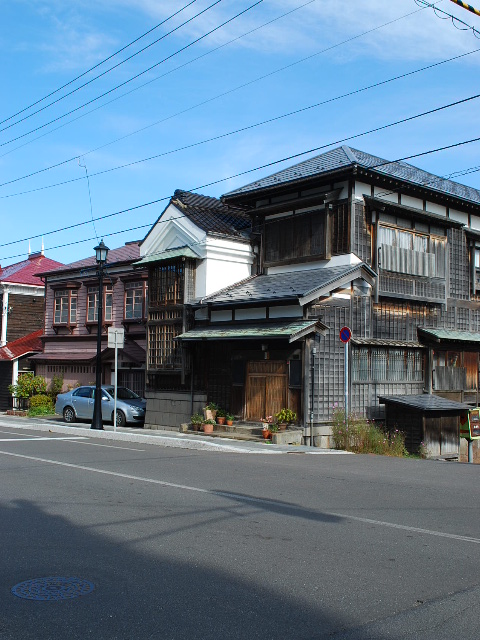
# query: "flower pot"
{"type": "Point", "coordinates": [282, 426]}
{"type": "Point", "coordinates": [208, 428]}
{"type": "Point", "coordinates": [195, 427]}
{"type": "Point", "coordinates": [220, 420]}
{"type": "Point", "coordinates": [229, 423]}
{"type": "Point", "coordinates": [267, 434]}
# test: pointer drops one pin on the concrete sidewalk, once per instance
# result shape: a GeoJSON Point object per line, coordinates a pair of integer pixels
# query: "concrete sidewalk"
{"type": "Point", "coordinates": [158, 437]}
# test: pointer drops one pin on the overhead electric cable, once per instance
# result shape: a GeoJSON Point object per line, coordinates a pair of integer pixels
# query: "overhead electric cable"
{"type": "Point", "coordinates": [257, 79]}
{"type": "Point", "coordinates": [252, 126]}
{"type": "Point", "coordinates": [455, 21]}
{"type": "Point", "coordinates": [99, 64]}
{"type": "Point", "coordinates": [205, 35]}
{"type": "Point", "coordinates": [115, 66]}
{"type": "Point", "coordinates": [129, 229]}
{"type": "Point", "coordinates": [218, 181]}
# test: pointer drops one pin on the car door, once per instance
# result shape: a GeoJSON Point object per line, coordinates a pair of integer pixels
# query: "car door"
{"type": "Point", "coordinates": [107, 406]}
{"type": "Point", "coordinates": [82, 402]}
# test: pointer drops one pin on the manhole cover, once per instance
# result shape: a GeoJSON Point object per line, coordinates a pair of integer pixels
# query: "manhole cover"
{"type": "Point", "coordinates": [52, 588]}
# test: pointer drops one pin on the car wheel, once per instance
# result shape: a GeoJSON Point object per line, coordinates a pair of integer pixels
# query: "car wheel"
{"type": "Point", "coordinates": [121, 420]}
{"type": "Point", "coordinates": [69, 415]}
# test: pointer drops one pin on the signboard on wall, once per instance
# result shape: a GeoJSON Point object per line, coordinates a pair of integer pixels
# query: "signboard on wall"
{"type": "Point", "coordinates": [470, 425]}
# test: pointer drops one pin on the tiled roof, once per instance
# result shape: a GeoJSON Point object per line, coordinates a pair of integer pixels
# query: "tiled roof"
{"type": "Point", "coordinates": [293, 330]}
{"type": "Point", "coordinates": [129, 251]}
{"type": "Point", "coordinates": [425, 402]}
{"type": "Point", "coordinates": [290, 285]}
{"type": "Point", "coordinates": [344, 157]}
{"type": "Point", "coordinates": [382, 342]}
{"type": "Point", "coordinates": [450, 335]}
{"type": "Point", "coordinates": [25, 272]}
{"type": "Point", "coordinates": [22, 347]}
{"type": "Point", "coordinates": [211, 214]}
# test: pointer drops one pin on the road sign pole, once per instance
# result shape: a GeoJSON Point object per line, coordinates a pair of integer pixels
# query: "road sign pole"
{"type": "Point", "coordinates": [346, 383]}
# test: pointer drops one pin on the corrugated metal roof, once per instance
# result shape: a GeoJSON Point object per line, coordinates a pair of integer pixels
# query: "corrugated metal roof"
{"type": "Point", "coordinates": [284, 286]}
{"type": "Point", "coordinates": [22, 346]}
{"type": "Point", "coordinates": [344, 157]}
{"type": "Point", "coordinates": [381, 342]}
{"type": "Point", "coordinates": [25, 272]}
{"type": "Point", "coordinates": [130, 251]}
{"type": "Point", "coordinates": [450, 335]}
{"type": "Point", "coordinates": [291, 330]}
{"type": "Point", "coordinates": [425, 402]}
{"type": "Point", "coordinates": [169, 254]}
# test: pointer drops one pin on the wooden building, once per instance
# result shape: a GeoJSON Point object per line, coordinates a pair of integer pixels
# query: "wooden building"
{"type": "Point", "coordinates": [343, 239]}
{"type": "Point", "coordinates": [70, 322]}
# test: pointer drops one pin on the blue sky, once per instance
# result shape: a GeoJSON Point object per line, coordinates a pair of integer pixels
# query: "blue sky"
{"type": "Point", "coordinates": [46, 43]}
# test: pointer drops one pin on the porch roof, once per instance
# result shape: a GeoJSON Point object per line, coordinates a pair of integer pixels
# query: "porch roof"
{"type": "Point", "coordinates": [275, 330]}
{"type": "Point", "coordinates": [425, 402]}
{"type": "Point", "coordinates": [382, 342]}
{"type": "Point", "coordinates": [301, 286]}
{"type": "Point", "coordinates": [168, 254]}
{"type": "Point", "coordinates": [449, 335]}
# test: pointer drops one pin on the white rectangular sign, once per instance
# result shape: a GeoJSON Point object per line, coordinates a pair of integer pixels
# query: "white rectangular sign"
{"type": "Point", "coordinates": [116, 337]}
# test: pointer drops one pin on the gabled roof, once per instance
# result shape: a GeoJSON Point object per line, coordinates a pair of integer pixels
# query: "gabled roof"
{"type": "Point", "coordinates": [300, 286]}
{"type": "Point", "coordinates": [346, 157]}
{"type": "Point", "coordinates": [129, 252]}
{"type": "Point", "coordinates": [211, 214]}
{"type": "Point", "coordinates": [22, 347]}
{"type": "Point", "coordinates": [25, 272]}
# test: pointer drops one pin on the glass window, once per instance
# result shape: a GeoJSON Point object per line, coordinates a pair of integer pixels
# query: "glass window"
{"type": "Point", "coordinates": [83, 392]}
{"type": "Point", "coordinates": [371, 364]}
{"type": "Point", "coordinates": [65, 309]}
{"type": "Point", "coordinates": [92, 303]}
{"type": "Point", "coordinates": [135, 293]}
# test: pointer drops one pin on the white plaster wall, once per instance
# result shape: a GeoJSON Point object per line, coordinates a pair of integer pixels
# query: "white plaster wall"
{"type": "Point", "coordinates": [286, 311]}
{"type": "Point", "coordinates": [221, 316]}
{"type": "Point", "coordinates": [460, 216]}
{"type": "Point", "coordinates": [226, 262]}
{"type": "Point", "coordinates": [436, 208]}
{"type": "Point", "coordinates": [475, 222]}
{"type": "Point", "coordinates": [362, 188]}
{"type": "Point", "coordinates": [255, 313]}
{"type": "Point", "coordinates": [409, 201]}
{"type": "Point", "coordinates": [385, 194]}
{"type": "Point", "coordinates": [171, 230]}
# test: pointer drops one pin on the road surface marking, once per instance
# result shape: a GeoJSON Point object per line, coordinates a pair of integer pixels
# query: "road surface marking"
{"type": "Point", "coordinates": [240, 498]}
{"type": "Point", "coordinates": [109, 446]}
{"type": "Point", "coordinates": [37, 438]}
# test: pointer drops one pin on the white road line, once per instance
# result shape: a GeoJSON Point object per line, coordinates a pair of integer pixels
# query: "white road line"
{"type": "Point", "coordinates": [27, 435]}
{"type": "Point", "coordinates": [37, 438]}
{"type": "Point", "coordinates": [234, 496]}
{"type": "Point", "coordinates": [109, 446]}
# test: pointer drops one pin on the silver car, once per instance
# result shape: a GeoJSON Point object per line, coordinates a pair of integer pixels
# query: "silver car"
{"type": "Point", "coordinates": [78, 405]}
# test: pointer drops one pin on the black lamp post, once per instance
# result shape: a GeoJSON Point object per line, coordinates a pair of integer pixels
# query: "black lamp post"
{"type": "Point", "coordinates": [101, 252]}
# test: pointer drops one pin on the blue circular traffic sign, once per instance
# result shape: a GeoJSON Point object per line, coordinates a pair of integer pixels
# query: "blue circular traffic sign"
{"type": "Point", "coordinates": [345, 334]}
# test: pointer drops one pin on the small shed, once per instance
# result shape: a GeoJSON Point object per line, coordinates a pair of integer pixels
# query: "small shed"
{"type": "Point", "coordinates": [426, 418]}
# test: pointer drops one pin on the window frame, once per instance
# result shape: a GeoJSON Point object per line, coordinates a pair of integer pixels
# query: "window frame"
{"type": "Point", "coordinates": [93, 290]}
{"type": "Point", "coordinates": [135, 285]}
{"type": "Point", "coordinates": [58, 296]}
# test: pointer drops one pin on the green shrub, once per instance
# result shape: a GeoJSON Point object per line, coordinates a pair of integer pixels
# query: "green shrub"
{"type": "Point", "coordinates": [28, 385]}
{"type": "Point", "coordinates": [41, 405]}
{"type": "Point", "coordinates": [364, 436]}
{"type": "Point", "coordinates": [55, 387]}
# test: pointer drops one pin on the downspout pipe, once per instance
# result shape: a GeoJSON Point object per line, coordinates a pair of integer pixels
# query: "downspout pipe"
{"type": "Point", "coordinates": [3, 335]}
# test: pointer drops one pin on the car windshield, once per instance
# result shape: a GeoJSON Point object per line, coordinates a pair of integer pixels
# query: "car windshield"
{"type": "Point", "coordinates": [123, 393]}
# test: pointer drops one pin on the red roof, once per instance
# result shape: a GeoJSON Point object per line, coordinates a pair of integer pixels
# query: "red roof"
{"type": "Point", "coordinates": [24, 272]}
{"type": "Point", "coordinates": [22, 346]}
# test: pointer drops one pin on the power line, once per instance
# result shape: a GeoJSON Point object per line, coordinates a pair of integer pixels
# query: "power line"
{"type": "Point", "coordinates": [455, 21]}
{"type": "Point", "coordinates": [119, 64]}
{"type": "Point", "coordinates": [214, 182]}
{"type": "Point", "coordinates": [99, 64]}
{"type": "Point", "coordinates": [66, 161]}
{"type": "Point", "coordinates": [138, 75]}
{"type": "Point", "coordinates": [242, 86]}
{"type": "Point", "coordinates": [252, 126]}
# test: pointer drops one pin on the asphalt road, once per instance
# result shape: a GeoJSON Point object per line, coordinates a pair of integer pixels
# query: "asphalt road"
{"type": "Point", "coordinates": [207, 545]}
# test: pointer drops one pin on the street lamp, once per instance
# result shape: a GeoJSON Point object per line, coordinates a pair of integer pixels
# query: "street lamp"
{"type": "Point", "coordinates": [101, 252]}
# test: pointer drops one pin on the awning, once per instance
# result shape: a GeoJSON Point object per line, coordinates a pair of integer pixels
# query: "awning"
{"type": "Point", "coordinates": [168, 254]}
{"type": "Point", "coordinates": [425, 402]}
{"type": "Point", "coordinates": [65, 358]}
{"type": "Point", "coordinates": [448, 335]}
{"type": "Point", "coordinates": [381, 342]}
{"type": "Point", "coordinates": [277, 330]}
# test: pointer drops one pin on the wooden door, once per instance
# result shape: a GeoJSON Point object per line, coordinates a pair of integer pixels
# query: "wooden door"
{"type": "Point", "coordinates": [266, 388]}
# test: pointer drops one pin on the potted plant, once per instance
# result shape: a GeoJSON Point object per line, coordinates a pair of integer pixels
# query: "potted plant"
{"type": "Point", "coordinates": [221, 416]}
{"type": "Point", "coordinates": [208, 425]}
{"type": "Point", "coordinates": [284, 417]}
{"type": "Point", "coordinates": [266, 427]}
{"type": "Point", "coordinates": [196, 421]}
{"type": "Point", "coordinates": [274, 427]}
{"type": "Point", "coordinates": [210, 411]}
{"type": "Point", "coordinates": [229, 419]}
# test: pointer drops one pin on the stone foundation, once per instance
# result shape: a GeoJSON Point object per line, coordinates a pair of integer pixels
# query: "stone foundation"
{"type": "Point", "coordinates": [171, 408]}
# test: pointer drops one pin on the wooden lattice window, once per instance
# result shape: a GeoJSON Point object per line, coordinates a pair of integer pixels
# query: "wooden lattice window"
{"type": "Point", "coordinates": [377, 364]}
{"type": "Point", "coordinates": [295, 236]}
